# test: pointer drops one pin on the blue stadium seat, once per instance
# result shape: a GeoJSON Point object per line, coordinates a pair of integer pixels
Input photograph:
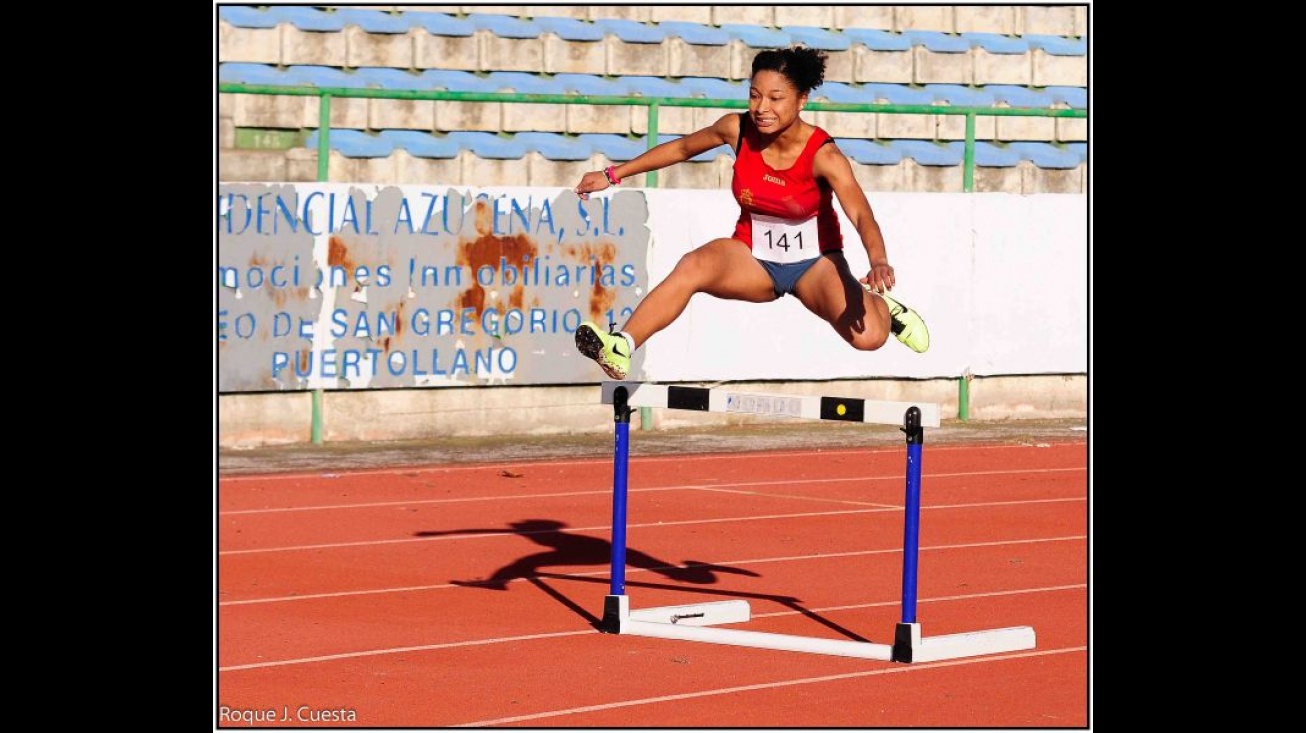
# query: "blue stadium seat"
{"type": "Point", "coordinates": [925, 152]}
{"type": "Point", "coordinates": [373, 21]}
{"type": "Point", "coordinates": [897, 94]}
{"type": "Point", "coordinates": [388, 78]}
{"type": "Point", "coordinates": [490, 146]}
{"type": "Point", "coordinates": [354, 144]}
{"type": "Point", "coordinates": [695, 33]}
{"type": "Point", "coordinates": [1045, 155]}
{"type": "Point", "coordinates": [959, 96]}
{"type": "Point", "coordinates": [991, 156]}
{"type": "Point", "coordinates": [1076, 97]}
{"type": "Point", "coordinates": [937, 42]}
{"type": "Point", "coordinates": [841, 93]}
{"type": "Point", "coordinates": [593, 86]}
{"type": "Point", "coordinates": [504, 26]}
{"type": "Point", "coordinates": [1019, 96]}
{"type": "Point", "coordinates": [440, 24]}
{"type": "Point", "coordinates": [456, 81]}
{"type": "Point", "coordinates": [697, 86]}
{"type": "Point", "coordinates": [868, 152]}
{"type": "Point", "coordinates": [524, 83]}
{"type": "Point", "coordinates": [306, 19]}
{"type": "Point", "coordinates": [618, 148]}
{"type": "Point", "coordinates": [755, 36]}
{"type": "Point", "coordinates": [1057, 45]}
{"type": "Point", "coordinates": [654, 86]}
{"type": "Point", "coordinates": [324, 76]}
{"type": "Point", "coordinates": [240, 73]}
{"type": "Point", "coordinates": [244, 16]}
{"type": "Point", "coordinates": [631, 32]}
{"type": "Point", "coordinates": [422, 144]}
{"type": "Point", "coordinates": [818, 38]}
{"type": "Point", "coordinates": [1080, 149]}
{"type": "Point", "coordinates": [554, 146]}
{"type": "Point", "coordinates": [997, 43]}
{"type": "Point", "coordinates": [878, 40]}
{"type": "Point", "coordinates": [570, 29]}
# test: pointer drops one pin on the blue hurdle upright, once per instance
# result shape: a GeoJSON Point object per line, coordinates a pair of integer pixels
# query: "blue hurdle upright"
{"type": "Point", "coordinates": [699, 621]}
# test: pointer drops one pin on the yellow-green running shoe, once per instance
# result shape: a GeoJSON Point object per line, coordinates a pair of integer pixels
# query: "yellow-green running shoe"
{"type": "Point", "coordinates": [907, 325]}
{"type": "Point", "coordinates": [608, 349]}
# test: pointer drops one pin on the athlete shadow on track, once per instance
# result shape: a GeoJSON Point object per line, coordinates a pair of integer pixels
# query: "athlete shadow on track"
{"type": "Point", "coordinates": [575, 549]}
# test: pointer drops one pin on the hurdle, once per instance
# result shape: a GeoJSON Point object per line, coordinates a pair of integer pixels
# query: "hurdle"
{"type": "Point", "coordinates": [699, 621]}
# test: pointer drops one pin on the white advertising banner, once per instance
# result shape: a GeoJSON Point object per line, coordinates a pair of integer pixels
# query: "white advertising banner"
{"type": "Point", "coordinates": [1000, 279]}
{"type": "Point", "coordinates": [363, 287]}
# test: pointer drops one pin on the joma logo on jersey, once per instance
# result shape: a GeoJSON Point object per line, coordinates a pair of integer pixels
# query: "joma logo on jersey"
{"type": "Point", "coordinates": [772, 179]}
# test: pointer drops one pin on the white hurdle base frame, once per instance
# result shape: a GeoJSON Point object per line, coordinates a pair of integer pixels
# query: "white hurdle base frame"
{"type": "Point", "coordinates": [694, 623]}
{"type": "Point", "coordinates": [697, 622]}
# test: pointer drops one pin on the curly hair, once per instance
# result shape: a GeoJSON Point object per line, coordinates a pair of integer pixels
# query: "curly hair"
{"type": "Point", "coordinates": [804, 67]}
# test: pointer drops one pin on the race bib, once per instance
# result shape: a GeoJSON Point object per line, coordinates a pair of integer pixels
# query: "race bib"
{"type": "Point", "coordinates": [784, 241]}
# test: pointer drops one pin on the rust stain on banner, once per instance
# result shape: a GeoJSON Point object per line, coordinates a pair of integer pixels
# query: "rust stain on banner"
{"type": "Point", "coordinates": [338, 255]}
{"type": "Point", "coordinates": [597, 255]}
{"type": "Point", "coordinates": [494, 252]}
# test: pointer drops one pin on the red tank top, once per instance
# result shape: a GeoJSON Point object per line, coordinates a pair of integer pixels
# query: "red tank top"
{"type": "Point", "coordinates": [793, 193]}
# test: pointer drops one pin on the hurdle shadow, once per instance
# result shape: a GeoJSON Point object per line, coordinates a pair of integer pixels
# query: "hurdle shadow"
{"type": "Point", "coordinates": [569, 549]}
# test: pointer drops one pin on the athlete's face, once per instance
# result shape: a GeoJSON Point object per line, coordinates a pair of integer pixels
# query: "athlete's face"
{"type": "Point", "coordinates": [773, 101]}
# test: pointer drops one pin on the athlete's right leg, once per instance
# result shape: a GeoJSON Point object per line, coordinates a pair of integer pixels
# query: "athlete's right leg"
{"type": "Point", "coordinates": [722, 268]}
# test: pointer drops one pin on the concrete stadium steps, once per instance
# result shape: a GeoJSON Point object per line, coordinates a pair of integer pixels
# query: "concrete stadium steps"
{"type": "Point", "coordinates": [1064, 20]}
{"type": "Point", "coordinates": [860, 51]}
{"type": "Point", "coordinates": [942, 55]}
{"type": "Point", "coordinates": [266, 111]}
{"type": "Point", "coordinates": [617, 148]}
{"type": "Point", "coordinates": [997, 171]}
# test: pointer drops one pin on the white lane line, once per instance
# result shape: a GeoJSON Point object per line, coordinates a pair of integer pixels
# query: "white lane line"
{"type": "Point", "coordinates": [632, 571]}
{"type": "Point", "coordinates": [605, 527]}
{"type": "Point", "coordinates": [670, 487]}
{"type": "Point", "coordinates": [904, 669]}
{"type": "Point", "coordinates": [557, 634]}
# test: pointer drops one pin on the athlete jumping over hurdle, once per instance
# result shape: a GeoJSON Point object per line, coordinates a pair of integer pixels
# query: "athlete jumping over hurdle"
{"type": "Point", "coordinates": [787, 238]}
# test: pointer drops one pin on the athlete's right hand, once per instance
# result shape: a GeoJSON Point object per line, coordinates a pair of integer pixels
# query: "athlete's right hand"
{"type": "Point", "coordinates": [591, 182]}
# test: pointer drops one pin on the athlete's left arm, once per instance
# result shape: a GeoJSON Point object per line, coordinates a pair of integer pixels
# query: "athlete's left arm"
{"type": "Point", "coordinates": [831, 164]}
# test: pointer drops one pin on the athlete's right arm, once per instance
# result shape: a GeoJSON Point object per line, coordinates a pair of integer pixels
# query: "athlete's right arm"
{"type": "Point", "coordinates": [722, 132]}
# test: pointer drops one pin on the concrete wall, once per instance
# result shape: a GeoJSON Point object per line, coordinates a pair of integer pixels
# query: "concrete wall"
{"type": "Point", "coordinates": [252, 420]}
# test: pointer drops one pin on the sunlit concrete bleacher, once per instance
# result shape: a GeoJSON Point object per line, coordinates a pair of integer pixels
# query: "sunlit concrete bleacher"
{"type": "Point", "coordinates": [1027, 56]}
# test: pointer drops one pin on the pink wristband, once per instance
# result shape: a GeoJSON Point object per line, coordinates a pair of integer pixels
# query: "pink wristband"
{"type": "Point", "coordinates": [611, 175]}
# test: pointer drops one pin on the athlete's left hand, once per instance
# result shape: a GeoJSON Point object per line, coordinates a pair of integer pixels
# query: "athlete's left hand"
{"type": "Point", "coordinates": [880, 279]}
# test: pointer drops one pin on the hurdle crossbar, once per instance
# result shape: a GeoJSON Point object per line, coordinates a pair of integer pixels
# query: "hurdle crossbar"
{"type": "Point", "coordinates": [725, 399]}
{"type": "Point", "coordinates": [697, 622]}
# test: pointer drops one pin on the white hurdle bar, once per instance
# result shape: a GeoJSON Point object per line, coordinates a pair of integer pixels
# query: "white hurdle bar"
{"type": "Point", "coordinates": [695, 622]}
{"type": "Point", "coordinates": [724, 399]}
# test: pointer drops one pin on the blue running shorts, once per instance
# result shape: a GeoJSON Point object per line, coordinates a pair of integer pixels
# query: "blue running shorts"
{"type": "Point", "coordinates": [785, 276]}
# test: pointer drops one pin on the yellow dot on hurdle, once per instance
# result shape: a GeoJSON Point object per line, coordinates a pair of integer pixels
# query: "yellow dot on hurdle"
{"type": "Point", "coordinates": [841, 409]}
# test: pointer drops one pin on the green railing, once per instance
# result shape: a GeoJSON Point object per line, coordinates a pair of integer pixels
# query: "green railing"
{"type": "Point", "coordinates": [651, 178]}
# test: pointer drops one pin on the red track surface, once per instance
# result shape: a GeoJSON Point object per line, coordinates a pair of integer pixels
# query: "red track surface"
{"type": "Point", "coordinates": [337, 594]}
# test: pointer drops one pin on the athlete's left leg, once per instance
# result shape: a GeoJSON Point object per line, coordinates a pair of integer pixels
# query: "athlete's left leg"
{"type": "Point", "coordinates": [830, 290]}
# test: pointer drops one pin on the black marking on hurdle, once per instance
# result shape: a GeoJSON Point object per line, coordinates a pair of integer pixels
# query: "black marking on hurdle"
{"type": "Point", "coordinates": [911, 425]}
{"type": "Point", "coordinates": [688, 398]}
{"type": "Point", "coordinates": [611, 623]}
{"type": "Point", "coordinates": [621, 410]}
{"type": "Point", "coordinates": [901, 643]}
{"type": "Point", "coordinates": [853, 410]}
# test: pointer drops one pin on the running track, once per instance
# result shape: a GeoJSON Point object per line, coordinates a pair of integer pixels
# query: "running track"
{"type": "Point", "coordinates": [465, 595]}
